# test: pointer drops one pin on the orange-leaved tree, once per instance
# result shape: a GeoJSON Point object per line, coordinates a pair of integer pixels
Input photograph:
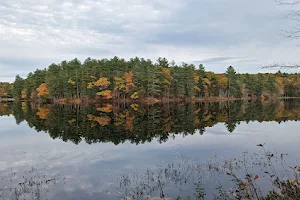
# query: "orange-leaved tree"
{"type": "Point", "coordinates": [43, 91]}
{"type": "Point", "coordinates": [106, 94]}
{"type": "Point", "coordinates": [107, 108]}
{"type": "Point", "coordinates": [128, 77]}
{"type": "Point", "coordinates": [43, 112]}
{"type": "Point", "coordinates": [103, 84]}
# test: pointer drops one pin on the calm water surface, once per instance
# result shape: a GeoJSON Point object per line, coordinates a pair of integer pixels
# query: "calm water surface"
{"type": "Point", "coordinates": [88, 148]}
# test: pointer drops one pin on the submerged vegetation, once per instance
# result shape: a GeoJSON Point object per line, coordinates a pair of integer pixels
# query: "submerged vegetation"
{"type": "Point", "coordinates": [139, 123]}
{"type": "Point", "coordinates": [260, 176]}
{"type": "Point", "coordinates": [32, 184]}
{"type": "Point", "coordinates": [139, 79]}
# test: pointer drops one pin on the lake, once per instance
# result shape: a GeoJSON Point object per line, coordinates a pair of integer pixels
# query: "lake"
{"type": "Point", "coordinates": [104, 151]}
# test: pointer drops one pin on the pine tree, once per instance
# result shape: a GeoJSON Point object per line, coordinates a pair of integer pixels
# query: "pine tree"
{"type": "Point", "coordinates": [18, 87]}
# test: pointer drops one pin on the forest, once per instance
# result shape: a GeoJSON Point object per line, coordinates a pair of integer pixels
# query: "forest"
{"type": "Point", "coordinates": [139, 79]}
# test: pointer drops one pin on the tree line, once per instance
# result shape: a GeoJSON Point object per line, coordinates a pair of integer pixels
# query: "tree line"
{"type": "Point", "coordinates": [118, 79]}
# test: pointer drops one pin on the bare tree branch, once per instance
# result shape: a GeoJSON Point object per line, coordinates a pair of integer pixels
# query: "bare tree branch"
{"type": "Point", "coordinates": [287, 2]}
{"type": "Point", "coordinates": [292, 33]}
{"type": "Point", "coordinates": [293, 15]}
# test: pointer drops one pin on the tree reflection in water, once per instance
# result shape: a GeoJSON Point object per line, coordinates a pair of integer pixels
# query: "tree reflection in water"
{"type": "Point", "coordinates": [251, 176]}
{"type": "Point", "coordinates": [139, 123]}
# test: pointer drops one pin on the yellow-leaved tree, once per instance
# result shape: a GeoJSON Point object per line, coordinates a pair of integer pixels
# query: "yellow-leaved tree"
{"type": "Point", "coordinates": [196, 79]}
{"type": "Point", "coordinates": [24, 93]}
{"type": "Point", "coordinates": [135, 95]}
{"type": "Point", "coordinates": [71, 82]}
{"type": "Point", "coordinates": [135, 107]}
{"type": "Point", "coordinates": [119, 87]}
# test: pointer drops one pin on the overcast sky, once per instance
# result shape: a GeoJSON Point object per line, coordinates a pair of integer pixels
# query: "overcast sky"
{"type": "Point", "coordinates": [217, 33]}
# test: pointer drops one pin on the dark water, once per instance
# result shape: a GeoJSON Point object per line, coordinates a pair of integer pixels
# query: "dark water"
{"type": "Point", "coordinates": [81, 152]}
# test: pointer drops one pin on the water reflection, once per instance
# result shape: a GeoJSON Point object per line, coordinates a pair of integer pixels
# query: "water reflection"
{"type": "Point", "coordinates": [139, 123]}
{"type": "Point", "coordinates": [90, 170]}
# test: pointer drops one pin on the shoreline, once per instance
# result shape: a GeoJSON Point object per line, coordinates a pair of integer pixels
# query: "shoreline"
{"type": "Point", "coordinates": [150, 100]}
{"type": "Point", "coordinates": [7, 99]}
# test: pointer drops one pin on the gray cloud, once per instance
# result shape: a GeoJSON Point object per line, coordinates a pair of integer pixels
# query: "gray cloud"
{"type": "Point", "coordinates": [11, 62]}
{"type": "Point", "coordinates": [216, 59]}
{"type": "Point", "coordinates": [222, 23]}
{"type": "Point", "coordinates": [36, 33]}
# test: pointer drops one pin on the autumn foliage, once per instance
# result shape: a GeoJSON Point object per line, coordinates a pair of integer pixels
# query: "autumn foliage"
{"type": "Point", "coordinates": [128, 77]}
{"type": "Point", "coordinates": [43, 90]}
{"type": "Point", "coordinates": [107, 108]}
{"type": "Point", "coordinates": [106, 94]}
{"type": "Point", "coordinates": [6, 90]}
{"type": "Point", "coordinates": [102, 82]}
{"type": "Point", "coordinates": [43, 112]}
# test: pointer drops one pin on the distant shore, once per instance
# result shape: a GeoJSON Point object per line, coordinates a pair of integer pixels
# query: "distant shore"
{"type": "Point", "coordinates": [151, 100]}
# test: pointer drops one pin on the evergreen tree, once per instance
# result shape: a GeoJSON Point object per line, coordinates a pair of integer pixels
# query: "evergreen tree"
{"type": "Point", "coordinates": [18, 87]}
{"type": "Point", "coordinates": [234, 85]}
